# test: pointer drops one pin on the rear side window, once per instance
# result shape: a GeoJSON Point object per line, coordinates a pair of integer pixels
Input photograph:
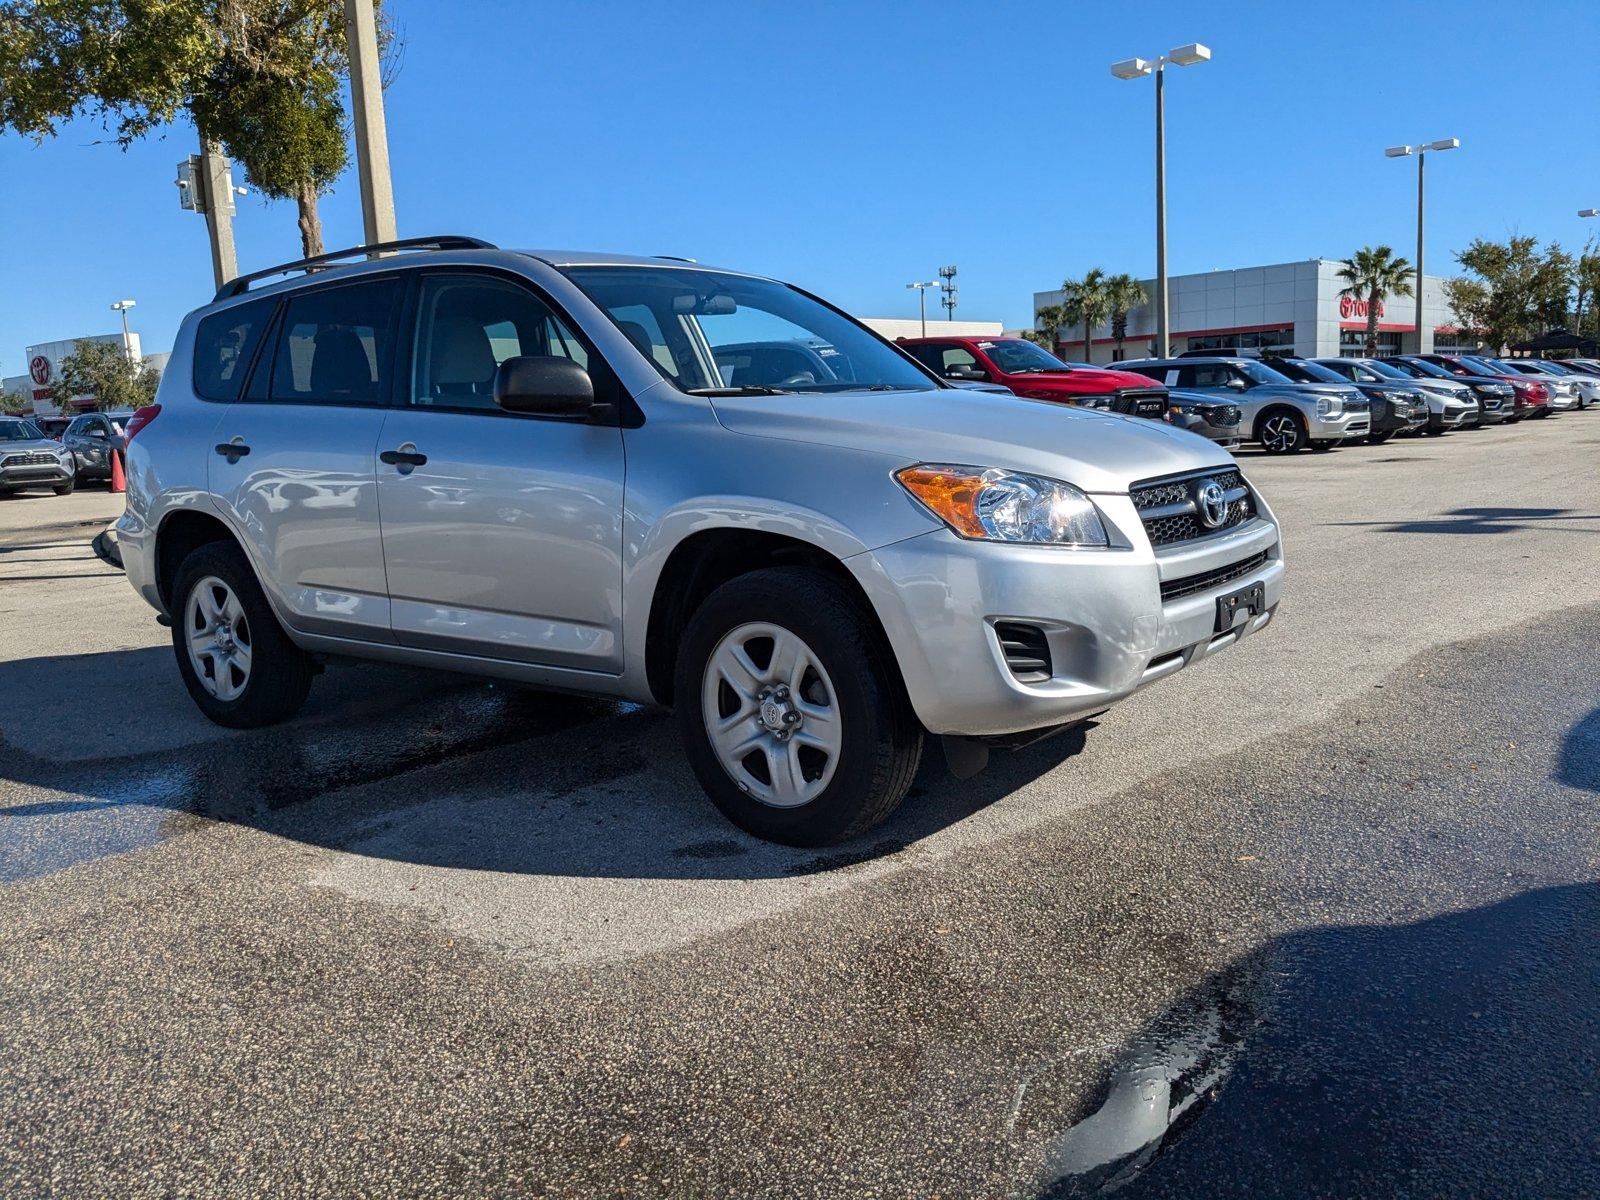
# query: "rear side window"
{"type": "Point", "coordinates": [335, 345]}
{"type": "Point", "coordinates": [224, 344]}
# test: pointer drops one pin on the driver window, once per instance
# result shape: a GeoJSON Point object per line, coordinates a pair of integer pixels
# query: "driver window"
{"type": "Point", "coordinates": [467, 327]}
{"type": "Point", "coordinates": [959, 356]}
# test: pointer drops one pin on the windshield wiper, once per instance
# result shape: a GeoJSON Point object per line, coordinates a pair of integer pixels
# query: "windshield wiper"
{"type": "Point", "coordinates": [747, 390]}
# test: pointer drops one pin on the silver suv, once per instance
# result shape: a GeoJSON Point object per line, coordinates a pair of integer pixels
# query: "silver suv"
{"type": "Point", "coordinates": [1281, 415]}
{"type": "Point", "coordinates": [571, 470]}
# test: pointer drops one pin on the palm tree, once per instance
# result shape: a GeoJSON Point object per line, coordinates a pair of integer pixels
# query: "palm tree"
{"type": "Point", "coordinates": [1086, 302]}
{"type": "Point", "coordinates": [1374, 274]}
{"type": "Point", "coordinates": [1124, 293]}
{"type": "Point", "coordinates": [1049, 320]}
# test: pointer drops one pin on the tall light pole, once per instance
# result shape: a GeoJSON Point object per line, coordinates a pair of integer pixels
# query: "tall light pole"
{"type": "Point", "coordinates": [922, 301]}
{"type": "Point", "coordinates": [371, 131]}
{"type": "Point", "coordinates": [1137, 68]}
{"type": "Point", "coordinates": [1424, 342]}
{"type": "Point", "coordinates": [122, 306]}
{"type": "Point", "coordinates": [1584, 212]}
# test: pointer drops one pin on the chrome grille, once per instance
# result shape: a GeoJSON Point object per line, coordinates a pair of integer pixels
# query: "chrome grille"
{"type": "Point", "coordinates": [1167, 507]}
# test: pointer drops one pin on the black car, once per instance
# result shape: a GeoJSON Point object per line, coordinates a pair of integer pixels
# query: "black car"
{"type": "Point", "coordinates": [1396, 408]}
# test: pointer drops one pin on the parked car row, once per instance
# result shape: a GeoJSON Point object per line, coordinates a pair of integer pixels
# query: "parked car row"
{"type": "Point", "coordinates": [81, 449]}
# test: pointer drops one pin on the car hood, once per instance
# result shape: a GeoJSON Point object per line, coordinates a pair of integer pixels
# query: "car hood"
{"type": "Point", "coordinates": [1083, 379]}
{"type": "Point", "coordinates": [31, 444]}
{"type": "Point", "coordinates": [1096, 451]}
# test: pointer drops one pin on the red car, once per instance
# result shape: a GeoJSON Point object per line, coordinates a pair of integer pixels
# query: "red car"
{"type": "Point", "coordinates": [1533, 398]}
{"type": "Point", "coordinates": [1031, 370]}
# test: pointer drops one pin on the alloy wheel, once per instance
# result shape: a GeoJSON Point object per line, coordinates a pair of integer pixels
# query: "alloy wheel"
{"type": "Point", "coordinates": [1279, 433]}
{"type": "Point", "coordinates": [218, 637]}
{"type": "Point", "coordinates": [772, 715]}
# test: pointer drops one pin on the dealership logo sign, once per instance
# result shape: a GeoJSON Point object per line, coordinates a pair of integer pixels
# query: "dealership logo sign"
{"type": "Point", "coordinates": [1349, 307]}
{"type": "Point", "coordinates": [39, 368]}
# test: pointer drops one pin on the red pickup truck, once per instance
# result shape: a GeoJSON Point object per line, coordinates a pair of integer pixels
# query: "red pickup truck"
{"type": "Point", "coordinates": [1031, 370]}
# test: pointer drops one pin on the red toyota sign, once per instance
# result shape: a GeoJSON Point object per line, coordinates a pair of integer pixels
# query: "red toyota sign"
{"type": "Point", "coordinates": [39, 368]}
{"type": "Point", "coordinates": [1349, 307]}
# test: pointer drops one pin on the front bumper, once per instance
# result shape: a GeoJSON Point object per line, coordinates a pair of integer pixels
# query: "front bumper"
{"type": "Point", "coordinates": [1101, 612]}
{"type": "Point", "coordinates": [1452, 418]}
{"type": "Point", "coordinates": [35, 475]}
{"type": "Point", "coordinates": [1347, 425]}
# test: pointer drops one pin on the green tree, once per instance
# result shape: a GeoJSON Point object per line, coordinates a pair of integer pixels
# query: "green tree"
{"type": "Point", "coordinates": [1087, 303]}
{"type": "Point", "coordinates": [1514, 289]}
{"type": "Point", "coordinates": [103, 371]}
{"type": "Point", "coordinates": [1124, 293]}
{"type": "Point", "coordinates": [1373, 274]}
{"type": "Point", "coordinates": [1586, 282]}
{"type": "Point", "coordinates": [1047, 323]}
{"type": "Point", "coordinates": [261, 79]}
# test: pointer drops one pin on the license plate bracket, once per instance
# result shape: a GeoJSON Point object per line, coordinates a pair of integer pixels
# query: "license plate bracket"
{"type": "Point", "coordinates": [1246, 602]}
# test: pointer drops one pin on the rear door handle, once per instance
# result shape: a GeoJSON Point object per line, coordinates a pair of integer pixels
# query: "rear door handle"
{"type": "Point", "coordinates": [406, 456]}
{"type": "Point", "coordinates": [233, 451]}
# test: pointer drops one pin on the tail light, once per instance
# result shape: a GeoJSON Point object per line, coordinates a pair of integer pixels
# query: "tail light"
{"type": "Point", "coordinates": [140, 419]}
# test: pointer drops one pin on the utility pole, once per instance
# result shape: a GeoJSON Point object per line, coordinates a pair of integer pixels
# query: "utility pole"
{"type": "Point", "coordinates": [947, 285]}
{"type": "Point", "coordinates": [205, 186]}
{"type": "Point", "coordinates": [371, 131]}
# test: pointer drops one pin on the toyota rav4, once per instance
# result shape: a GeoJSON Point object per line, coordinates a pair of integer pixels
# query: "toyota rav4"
{"type": "Point", "coordinates": [551, 468]}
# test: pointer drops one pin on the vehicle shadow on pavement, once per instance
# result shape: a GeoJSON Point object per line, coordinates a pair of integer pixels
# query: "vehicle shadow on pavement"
{"type": "Point", "coordinates": [1490, 520]}
{"type": "Point", "coordinates": [412, 766]}
{"type": "Point", "coordinates": [1362, 1060]}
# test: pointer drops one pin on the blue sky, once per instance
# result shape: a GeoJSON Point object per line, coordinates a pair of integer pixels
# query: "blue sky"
{"type": "Point", "coordinates": [852, 147]}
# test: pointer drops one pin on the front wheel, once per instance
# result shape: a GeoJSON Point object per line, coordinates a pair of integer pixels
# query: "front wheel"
{"type": "Point", "coordinates": [1281, 433]}
{"type": "Point", "coordinates": [1436, 430]}
{"type": "Point", "coordinates": [65, 489]}
{"type": "Point", "coordinates": [239, 666]}
{"type": "Point", "coordinates": [792, 711]}
{"type": "Point", "coordinates": [1378, 439]}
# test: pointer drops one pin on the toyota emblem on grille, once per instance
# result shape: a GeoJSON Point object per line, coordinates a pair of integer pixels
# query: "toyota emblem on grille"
{"type": "Point", "coordinates": [1211, 502]}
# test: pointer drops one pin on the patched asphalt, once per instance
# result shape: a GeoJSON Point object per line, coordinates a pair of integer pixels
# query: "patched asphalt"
{"type": "Point", "coordinates": [1315, 918]}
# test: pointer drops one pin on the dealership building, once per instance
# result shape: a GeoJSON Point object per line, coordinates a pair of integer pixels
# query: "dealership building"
{"type": "Point", "coordinates": [1288, 307]}
{"type": "Point", "coordinates": [32, 392]}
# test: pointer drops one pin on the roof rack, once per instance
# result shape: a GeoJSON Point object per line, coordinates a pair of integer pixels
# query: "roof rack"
{"type": "Point", "coordinates": [239, 285]}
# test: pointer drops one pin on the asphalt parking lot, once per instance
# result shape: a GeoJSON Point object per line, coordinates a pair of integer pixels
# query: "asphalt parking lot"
{"type": "Point", "coordinates": [1315, 917]}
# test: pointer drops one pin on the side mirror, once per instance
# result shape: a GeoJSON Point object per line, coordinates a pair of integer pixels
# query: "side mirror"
{"type": "Point", "coordinates": [1236, 384]}
{"type": "Point", "coordinates": [966, 371]}
{"type": "Point", "coordinates": [545, 384]}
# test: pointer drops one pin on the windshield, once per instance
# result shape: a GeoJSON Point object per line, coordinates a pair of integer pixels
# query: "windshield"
{"type": "Point", "coordinates": [1382, 369]}
{"type": "Point", "coordinates": [1421, 366]}
{"type": "Point", "coordinates": [1307, 372]}
{"type": "Point", "coordinates": [1484, 366]}
{"type": "Point", "coordinates": [1015, 356]}
{"type": "Point", "coordinates": [19, 431]}
{"type": "Point", "coordinates": [1258, 372]}
{"type": "Point", "coordinates": [710, 332]}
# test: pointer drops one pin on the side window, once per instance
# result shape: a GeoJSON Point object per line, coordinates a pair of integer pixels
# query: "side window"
{"type": "Point", "coordinates": [467, 326]}
{"type": "Point", "coordinates": [334, 347]}
{"type": "Point", "coordinates": [1207, 375]}
{"type": "Point", "coordinates": [224, 344]}
{"type": "Point", "coordinates": [957, 356]}
{"type": "Point", "coordinates": [639, 323]}
{"type": "Point", "coordinates": [928, 356]}
{"type": "Point", "coordinates": [1156, 373]}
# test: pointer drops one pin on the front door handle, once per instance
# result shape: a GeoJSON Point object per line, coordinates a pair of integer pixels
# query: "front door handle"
{"type": "Point", "coordinates": [406, 456]}
{"type": "Point", "coordinates": [233, 451]}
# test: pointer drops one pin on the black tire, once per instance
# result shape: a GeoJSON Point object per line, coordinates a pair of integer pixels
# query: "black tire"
{"type": "Point", "coordinates": [280, 672]}
{"type": "Point", "coordinates": [1378, 439]}
{"type": "Point", "coordinates": [1437, 431]}
{"type": "Point", "coordinates": [1281, 431]}
{"type": "Point", "coordinates": [65, 489]}
{"type": "Point", "coordinates": [1323, 445]}
{"type": "Point", "coordinates": [881, 738]}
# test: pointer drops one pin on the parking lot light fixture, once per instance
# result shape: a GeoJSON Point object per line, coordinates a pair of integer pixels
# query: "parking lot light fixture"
{"type": "Point", "coordinates": [922, 301]}
{"type": "Point", "coordinates": [1420, 150]}
{"type": "Point", "coordinates": [1589, 212]}
{"type": "Point", "coordinates": [1138, 68]}
{"type": "Point", "coordinates": [122, 306]}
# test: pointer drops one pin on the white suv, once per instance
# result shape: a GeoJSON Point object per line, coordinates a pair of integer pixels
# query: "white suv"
{"type": "Point", "coordinates": [649, 479]}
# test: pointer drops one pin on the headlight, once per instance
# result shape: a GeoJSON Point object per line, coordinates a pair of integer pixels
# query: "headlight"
{"type": "Point", "coordinates": [1329, 406]}
{"type": "Point", "coordinates": [1005, 506]}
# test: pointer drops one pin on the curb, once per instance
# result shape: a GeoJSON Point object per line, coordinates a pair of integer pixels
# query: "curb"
{"type": "Point", "coordinates": [105, 547]}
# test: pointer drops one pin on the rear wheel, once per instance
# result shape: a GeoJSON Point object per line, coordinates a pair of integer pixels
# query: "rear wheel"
{"type": "Point", "coordinates": [238, 664]}
{"type": "Point", "coordinates": [1282, 432]}
{"type": "Point", "coordinates": [1436, 430]}
{"type": "Point", "coordinates": [792, 712]}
